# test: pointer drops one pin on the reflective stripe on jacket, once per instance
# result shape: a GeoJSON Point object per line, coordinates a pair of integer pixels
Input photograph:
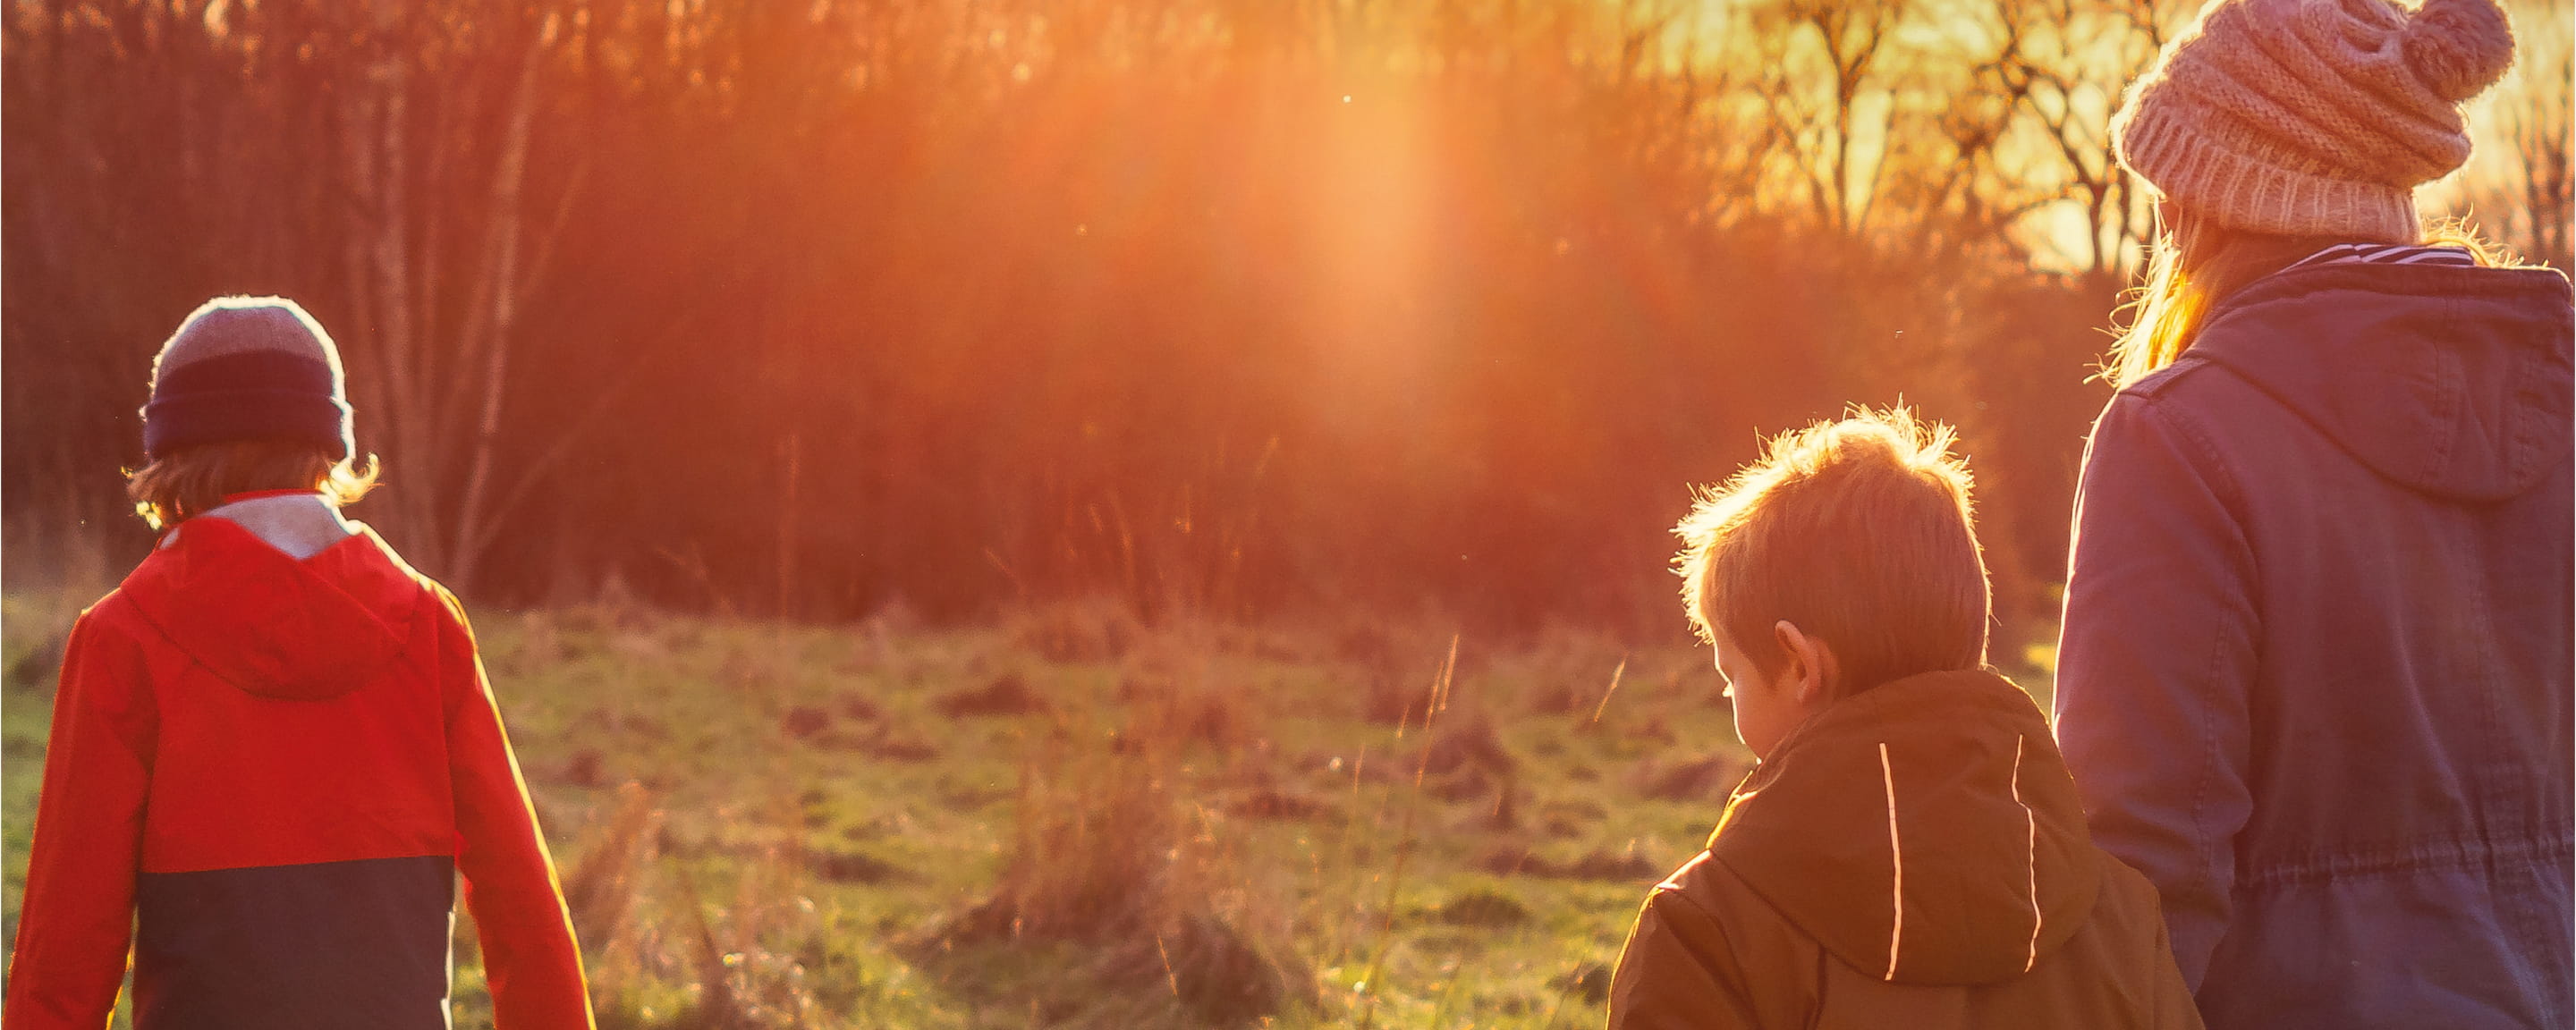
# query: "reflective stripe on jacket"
{"type": "Point", "coordinates": [1912, 856]}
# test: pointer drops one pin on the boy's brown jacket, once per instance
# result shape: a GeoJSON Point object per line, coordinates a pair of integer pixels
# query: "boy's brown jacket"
{"type": "Point", "coordinates": [1916, 857]}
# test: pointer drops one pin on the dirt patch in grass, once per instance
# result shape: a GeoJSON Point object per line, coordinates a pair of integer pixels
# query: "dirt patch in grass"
{"type": "Point", "coordinates": [36, 669]}
{"type": "Point", "coordinates": [1280, 806]}
{"type": "Point", "coordinates": [1598, 864]}
{"type": "Point", "coordinates": [855, 867]}
{"type": "Point", "coordinates": [1006, 695]}
{"type": "Point", "coordinates": [1214, 972]}
{"type": "Point", "coordinates": [1701, 779]}
{"type": "Point", "coordinates": [1459, 785]}
{"type": "Point", "coordinates": [858, 706]}
{"type": "Point", "coordinates": [1589, 981]}
{"type": "Point", "coordinates": [584, 769]}
{"type": "Point", "coordinates": [1468, 741]}
{"type": "Point", "coordinates": [804, 721]}
{"type": "Point", "coordinates": [1485, 908]}
{"type": "Point", "coordinates": [896, 748]}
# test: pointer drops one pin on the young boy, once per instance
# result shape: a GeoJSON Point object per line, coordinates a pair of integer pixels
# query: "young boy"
{"type": "Point", "coordinates": [1910, 851]}
{"type": "Point", "coordinates": [273, 748]}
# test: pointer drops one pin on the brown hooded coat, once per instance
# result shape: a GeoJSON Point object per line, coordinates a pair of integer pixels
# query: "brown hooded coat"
{"type": "Point", "coordinates": [1913, 856]}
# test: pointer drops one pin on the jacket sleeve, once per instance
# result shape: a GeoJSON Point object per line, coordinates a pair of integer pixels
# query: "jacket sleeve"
{"type": "Point", "coordinates": [2154, 664]}
{"type": "Point", "coordinates": [529, 956]}
{"type": "Point", "coordinates": [1674, 973]}
{"type": "Point", "coordinates": [76, 922]}
{"type": "Point", "coordinates": [2173, 1007]}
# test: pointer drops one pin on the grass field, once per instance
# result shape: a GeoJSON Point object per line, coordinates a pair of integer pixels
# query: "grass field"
{"type": "Point", "coordinates": [1073, 820]}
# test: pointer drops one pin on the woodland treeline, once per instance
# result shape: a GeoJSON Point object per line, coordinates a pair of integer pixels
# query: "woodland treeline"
{"type": "Point", "coordinates": [1248, 307]}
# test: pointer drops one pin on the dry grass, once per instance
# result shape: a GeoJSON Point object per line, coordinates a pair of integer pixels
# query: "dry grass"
{"type": "Point", "coordinates": [765, 826]}
{"type": "Point", "coordinates": [1118, 845]}
{"type": "Point", "coordinates": [644, 920]}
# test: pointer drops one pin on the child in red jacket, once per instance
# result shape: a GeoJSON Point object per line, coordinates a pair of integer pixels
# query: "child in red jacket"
{"type": "Point", "coordinates": [273, 749]}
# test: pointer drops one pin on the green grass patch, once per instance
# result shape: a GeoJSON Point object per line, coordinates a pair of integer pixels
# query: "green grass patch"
{"type": "Point", "coordinates": [1082, 827]}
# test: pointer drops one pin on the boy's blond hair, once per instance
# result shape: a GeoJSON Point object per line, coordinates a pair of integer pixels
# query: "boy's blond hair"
{"type": "Point", "coordinates": [1860, 533]}
{"type": "Point", "coordinates": [195, 480]}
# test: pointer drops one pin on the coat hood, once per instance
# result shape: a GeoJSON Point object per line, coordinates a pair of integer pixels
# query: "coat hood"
{"type": "Point", "coordinates": [1925, 831]}
{"type": "Point", "coordinates": [272, 625]}
{"type": "Point", "coordinates": [2453, 381]}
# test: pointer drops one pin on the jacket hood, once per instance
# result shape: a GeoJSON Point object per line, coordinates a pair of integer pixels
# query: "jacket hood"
{"type": "Point", "coordinates": [272, 625]}
{"type": "Point", "coordinates": [1925, 831]}
{"type": "Point", "coordinates": [2452, 381]}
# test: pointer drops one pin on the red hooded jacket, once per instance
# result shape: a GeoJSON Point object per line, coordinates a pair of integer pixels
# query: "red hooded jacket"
{"type": "Point", "coordinates": [265, 775]}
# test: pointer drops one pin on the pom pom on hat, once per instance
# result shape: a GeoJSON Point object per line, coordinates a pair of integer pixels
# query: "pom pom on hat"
{"type": "Point", "coordinates": [2312, 117]}
{"type": "Point", "coordinates": [2459, 47]}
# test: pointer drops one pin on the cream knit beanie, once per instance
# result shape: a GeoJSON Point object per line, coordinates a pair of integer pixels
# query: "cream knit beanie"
{"type": "Point", "coordinates": [2312, 117]}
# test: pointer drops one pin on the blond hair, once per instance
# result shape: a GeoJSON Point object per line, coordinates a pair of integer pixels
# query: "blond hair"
{"type": "Point", "coordinates": [189, 482]}
{"type": "Point", "coordinates": [1861, 533]}
{"type": "Point", "coordinates": [2198, 263]}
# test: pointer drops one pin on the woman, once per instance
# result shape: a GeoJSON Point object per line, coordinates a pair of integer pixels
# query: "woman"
{"type": "Point", "coordinates": [2315, 673]}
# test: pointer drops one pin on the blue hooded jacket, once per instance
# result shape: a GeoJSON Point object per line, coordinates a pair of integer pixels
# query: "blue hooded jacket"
{"type": "Point", "coordinates": [2314, 680]}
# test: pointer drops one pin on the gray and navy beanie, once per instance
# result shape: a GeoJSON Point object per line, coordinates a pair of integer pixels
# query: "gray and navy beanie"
{"type": "Point", "coordinates": [247, 368]}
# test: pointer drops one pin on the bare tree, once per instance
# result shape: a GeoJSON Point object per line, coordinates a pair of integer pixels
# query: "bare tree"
{"type": "Point", "coordinates": [2066, 65]}
{"type": "Point", "coordinates": [438, 308]}
{"type": "Point", "coordinates": [1816, 110]}
{"type": "Point", "coordinates": [2534, 111]}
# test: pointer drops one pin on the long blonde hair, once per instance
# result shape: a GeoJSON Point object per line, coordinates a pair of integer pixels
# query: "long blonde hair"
{"type": "Point", "coordinates": [2197, 263]}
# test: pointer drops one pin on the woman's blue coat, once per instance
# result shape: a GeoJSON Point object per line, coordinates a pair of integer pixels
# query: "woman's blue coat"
{"type": "Point", "coordinates": [2315, 674]}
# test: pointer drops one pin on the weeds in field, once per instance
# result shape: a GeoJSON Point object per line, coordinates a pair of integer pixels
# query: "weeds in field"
{"type": "Point", "coordinates": [643, 919]}
{"type": "Point", "coordinates": [1439, 703]}
{"type": "Point", "coordinates": [1194, 825]}
{"type": "Point", "coordinates": [1118, 844]}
